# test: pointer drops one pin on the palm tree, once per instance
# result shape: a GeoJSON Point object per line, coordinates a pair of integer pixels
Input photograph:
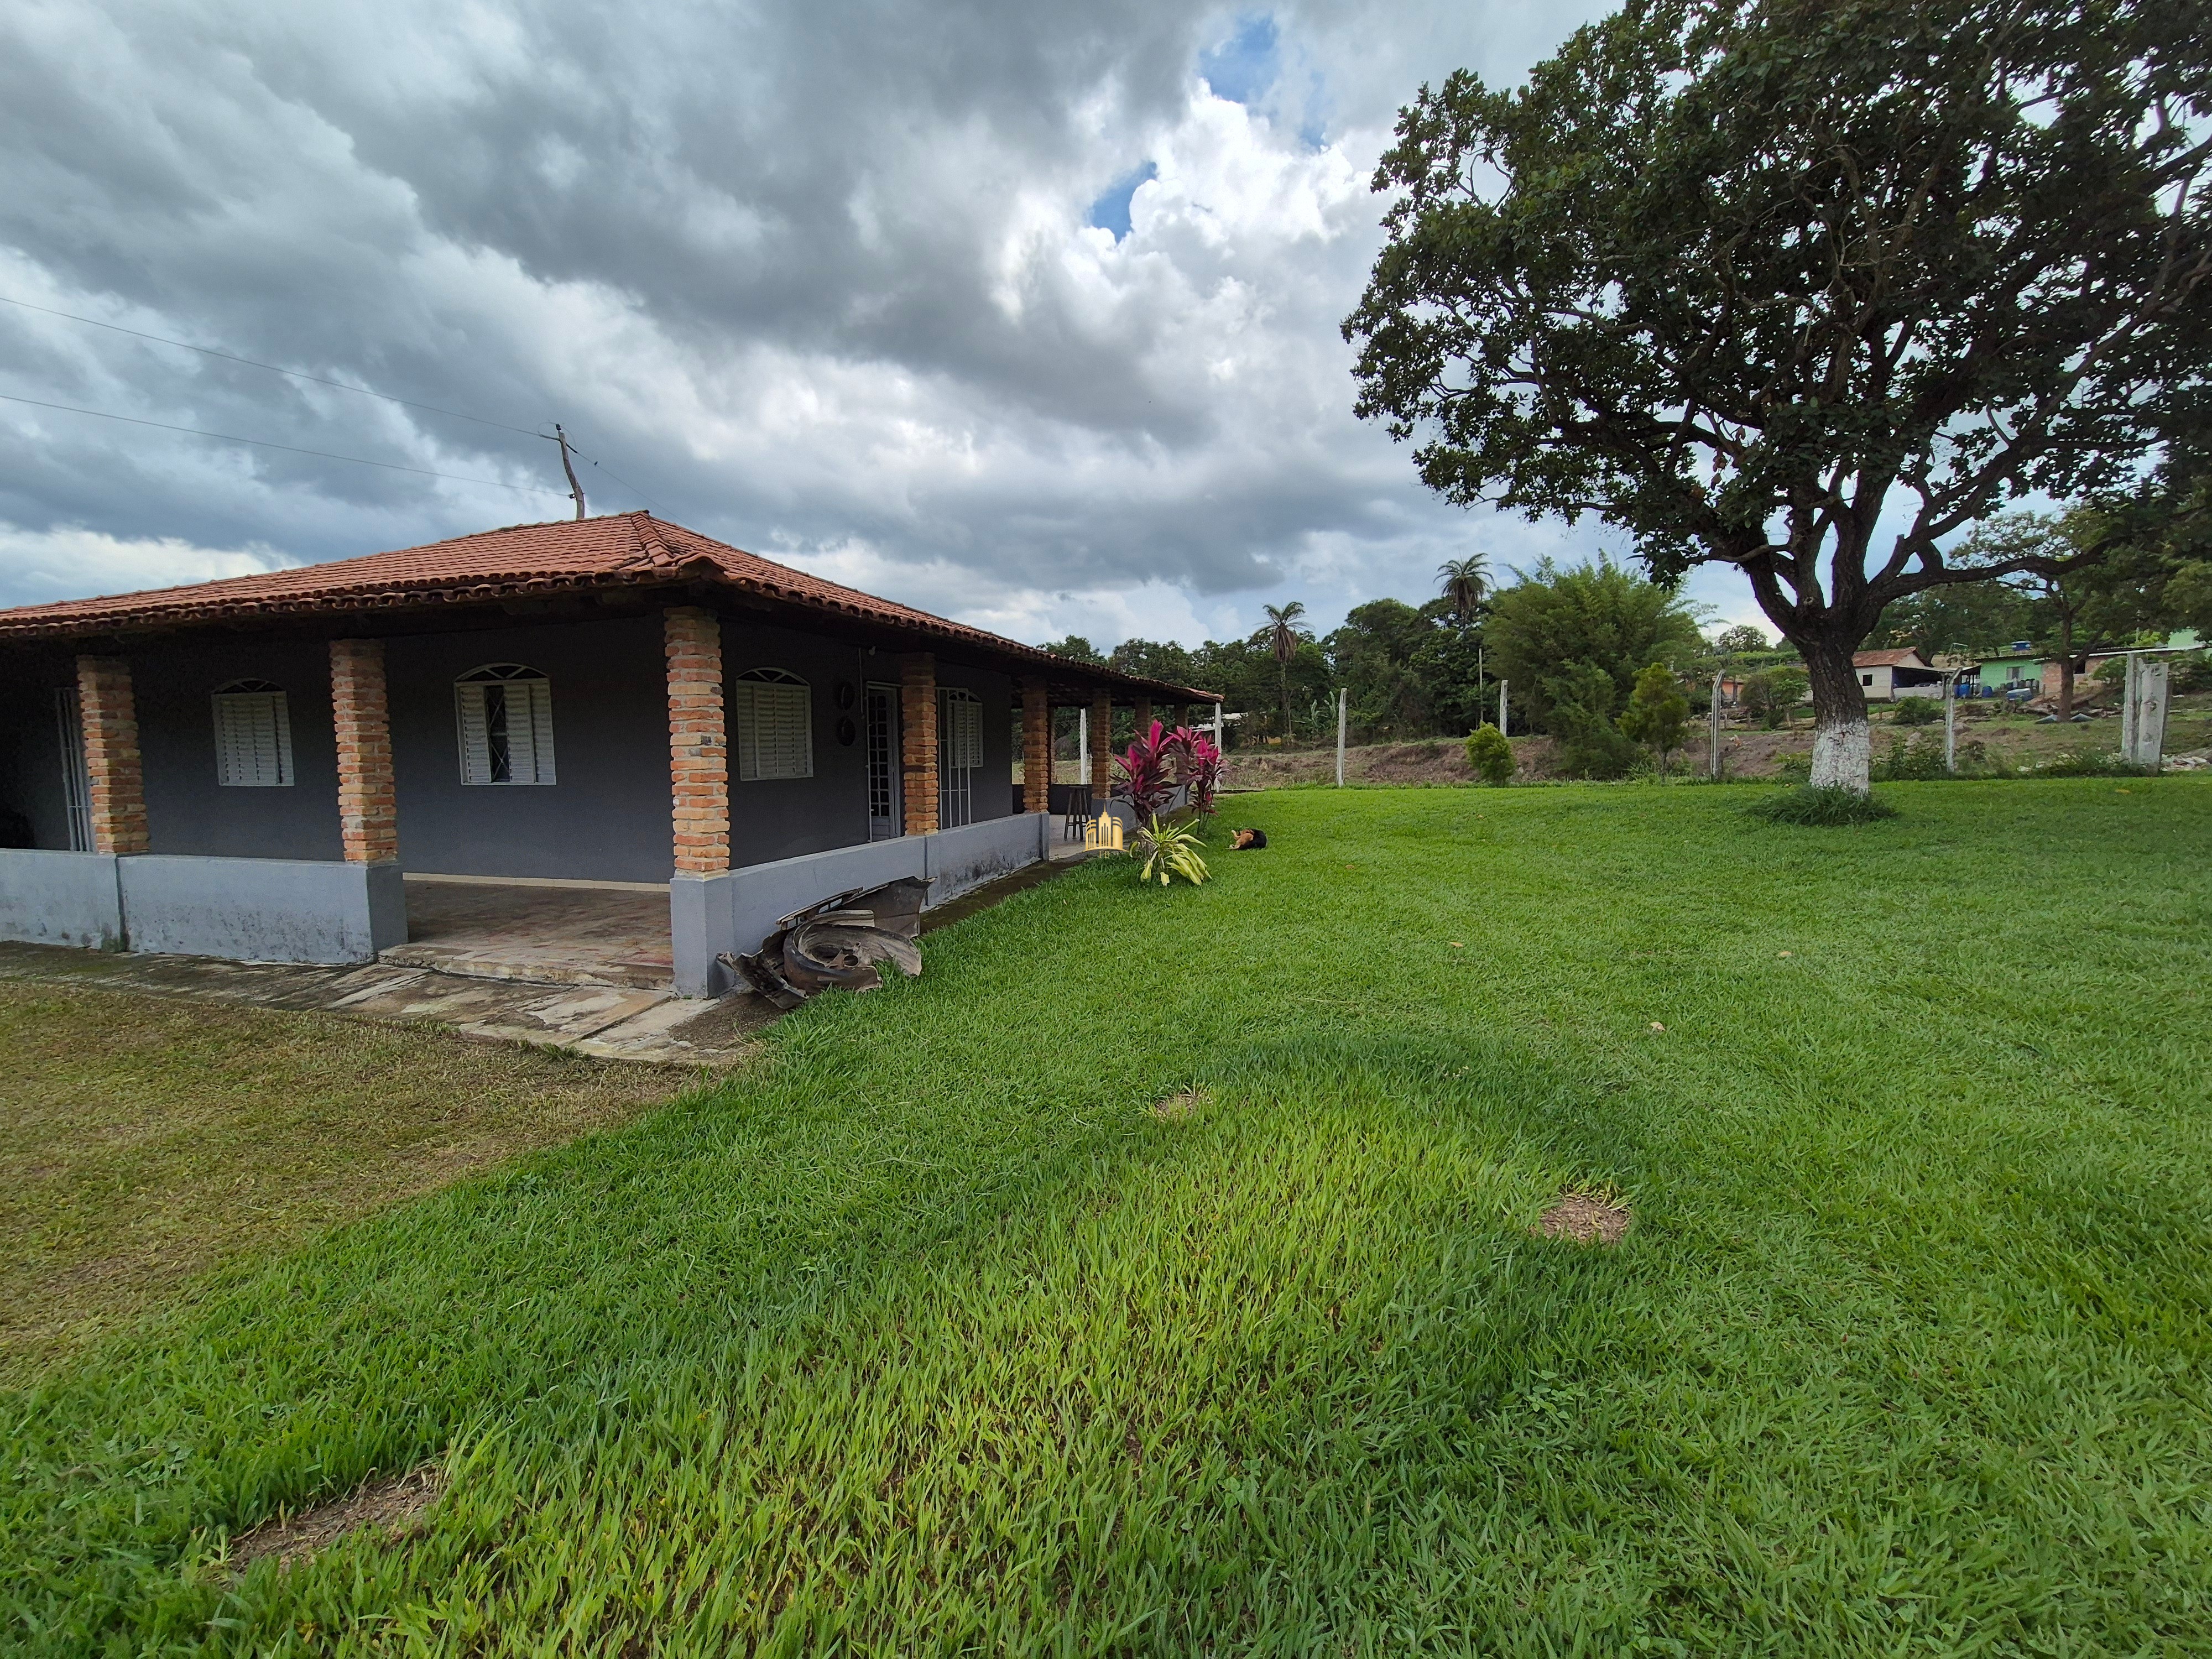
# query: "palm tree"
{"type": "Point", "coordinates": [1465, 581]}
{"type": "Point", "coordinates": [1284, 637]}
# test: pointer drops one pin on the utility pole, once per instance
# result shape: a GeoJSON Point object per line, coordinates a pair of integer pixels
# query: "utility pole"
{"type": "Point", "coordinates": [1083, 747]}
{"type": "Point", "coordinates": [1342, 693]}
{"type": "Point", "coordinates": [574, 489]}
{"type": "Point", "coordinates": [1717, 724]}
{"type": "Point", "coordinates": [1501, 710]}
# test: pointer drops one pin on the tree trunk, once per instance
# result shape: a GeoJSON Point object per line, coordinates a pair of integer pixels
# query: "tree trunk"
{"type": "Point", "coordinates": [1841, 745]}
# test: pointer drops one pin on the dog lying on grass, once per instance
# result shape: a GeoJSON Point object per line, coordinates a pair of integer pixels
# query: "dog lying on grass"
{"type": "Point", "coordinates": [1247, 841]}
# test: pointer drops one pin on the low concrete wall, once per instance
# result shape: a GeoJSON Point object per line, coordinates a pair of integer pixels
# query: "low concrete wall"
{"type": "Point", "coordinates": [735, 911]}
{"type": "Point", "coordinates": [60, 898]}
{"type": "Point", "coordinates": [263, 909]}
{"type": "Point", "coordinates": [957, 860]}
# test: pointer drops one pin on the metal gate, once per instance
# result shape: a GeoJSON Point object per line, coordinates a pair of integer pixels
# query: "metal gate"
{"type": "Point", "coordinates": [76, 783]}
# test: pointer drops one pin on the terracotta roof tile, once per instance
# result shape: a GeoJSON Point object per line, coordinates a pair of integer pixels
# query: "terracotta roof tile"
{"type": "Point", "coordinates": [1909, 657]}
{"type": "Point", "coordinates": [630, 548]}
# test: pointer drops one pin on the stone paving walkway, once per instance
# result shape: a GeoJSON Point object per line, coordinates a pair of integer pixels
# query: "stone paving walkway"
{"type": "Point", "coordinates": [616, 1021]}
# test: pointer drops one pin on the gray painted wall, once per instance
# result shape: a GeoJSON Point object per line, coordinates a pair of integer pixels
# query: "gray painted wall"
{"type": "Point", "coordinates": [262, 909]}
{"type": "Point", "coordinates": [60, 898]}
{"type": "Point", "coordinates": [709, 914]}
{"type": "Point", "coordinates": [605, 818]}
{"type": "Point", "coordinates": [188, 812]}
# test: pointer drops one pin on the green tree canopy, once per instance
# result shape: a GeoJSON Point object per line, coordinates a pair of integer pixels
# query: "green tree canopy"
{"type": "Point", "coordinates": [1750, 278]}
{"type": "Point", "coordinates": [1657, 713]}
{"type": "Point", "coordinates": [1601, 615]}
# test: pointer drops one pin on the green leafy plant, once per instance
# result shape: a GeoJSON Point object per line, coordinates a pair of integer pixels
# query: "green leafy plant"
{"type": "Point", "coordinates": [1916, 711]}
{"type": "Point", "coordinates": [1916, 762]}
{"type": "Point", "coordinates": [1656, 714]}
{"type": "Point", "coordinates": [1489, 756]}
{"type": "Point", "coordinates": [1794, 767]}
{"type": "Point", "coordinates": [1772, 695]}
{"type": "Point", "coordinates": [1164, 851]}
{"type": "Point", "coordinates": [2083, 763]}
{"type": "Point", "coordinates": [1808, 808]}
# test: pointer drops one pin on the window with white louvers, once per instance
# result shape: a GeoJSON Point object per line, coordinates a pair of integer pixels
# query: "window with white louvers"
{"type": "Point", "coordinates": [772, 718]}
{"type": "Point", "coordinates": [252, 737]}
{"type": "Point", "coordinates": [504, 712]}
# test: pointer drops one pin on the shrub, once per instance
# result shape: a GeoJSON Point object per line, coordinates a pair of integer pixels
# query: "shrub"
{"type": "Point", "coordinates": [1656, 714]}
{"type": "Point", "coordinates": [2091, 763]}
{"type": "Point", "coordinates": [1793, 769]}
{"type": "Point", "coordinates": [1771, 694]}
{"type": "Point", "coordinates": [1916, 711]}
{"type": "Point", "coordinates": [1197, 763]}
{"type": "Point", "coordinates": [1820, 808]}
{"type": "Point", "coordinates": [1167, 850]}
{"type": "Point", "coordinates": [1917, 761]}
{"type": "Point", "coordinates": [1489, 756]}
{"type": "Point", "coordinates": [1590, 745]}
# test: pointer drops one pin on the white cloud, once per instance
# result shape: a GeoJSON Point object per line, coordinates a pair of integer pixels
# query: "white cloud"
{"type": "Point", "coordinates": [830, 295]}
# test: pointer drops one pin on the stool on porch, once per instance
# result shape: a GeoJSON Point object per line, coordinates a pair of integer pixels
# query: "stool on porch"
{"type": "Point", "coordinates": [1074, 804]}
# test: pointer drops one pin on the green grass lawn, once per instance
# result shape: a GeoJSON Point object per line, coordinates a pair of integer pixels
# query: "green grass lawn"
{"type": "Point", "coordinates": [149, 1140]}
{"type": "Point", "coordinates": [928, 1333]}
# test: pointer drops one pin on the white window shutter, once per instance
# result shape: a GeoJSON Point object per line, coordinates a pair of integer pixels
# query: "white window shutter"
{"type": "Point", "coordinates": [536, 696]}
{"type": "Point", "coordinates": [253, 740]}
{"type": "Point", "coordinates": [968, 733]}
{"type": "Point", "coordinates": [475, 742]}
{"type": "Point", "coordinates": [772, 724]}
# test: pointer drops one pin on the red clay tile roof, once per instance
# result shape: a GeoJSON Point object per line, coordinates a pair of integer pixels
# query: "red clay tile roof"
{"type": "Point", "coordinates": [564, 556]}
{"type": "Point", "coordinates": [1909, 656]}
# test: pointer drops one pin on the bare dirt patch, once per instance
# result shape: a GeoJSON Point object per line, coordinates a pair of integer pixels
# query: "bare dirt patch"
{"type": "Point", "coordinates": [1176, 1107]}
{"type": "Point", "coordinates": [393, 1506]}
{"type": "Point", "coordinates": [1586, 1218]}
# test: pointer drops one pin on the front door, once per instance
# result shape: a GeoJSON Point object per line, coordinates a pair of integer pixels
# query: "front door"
{"type": "Point", "coordinates": [885, 817]}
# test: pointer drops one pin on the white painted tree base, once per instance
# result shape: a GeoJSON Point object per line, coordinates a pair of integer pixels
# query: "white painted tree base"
{"type": "Point", "coordinates": [1842, 751]}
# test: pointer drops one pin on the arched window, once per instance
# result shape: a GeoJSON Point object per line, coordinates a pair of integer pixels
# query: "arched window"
{"type": "Point", "coordinates": [772, 716]}
{"type": "Point", "coordinates": [505, 715]}
{"type": "Point", "coordinates": [252, 735]}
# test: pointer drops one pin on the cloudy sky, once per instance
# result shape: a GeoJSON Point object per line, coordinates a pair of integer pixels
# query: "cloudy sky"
{"type": "Point", "coordinates": [1023, 313]}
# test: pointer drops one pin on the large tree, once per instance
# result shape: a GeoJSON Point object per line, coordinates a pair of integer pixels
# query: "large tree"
{"type": "Point", "coordinates": [1757, 281]}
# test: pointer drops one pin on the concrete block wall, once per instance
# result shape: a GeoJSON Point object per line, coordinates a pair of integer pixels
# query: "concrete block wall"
{"type": "Point", "coordinates": [733, 911]}
{"type": "Point", "coordinates": [244, 909]}
{"type": "Point", "coordinates": [60, 898]}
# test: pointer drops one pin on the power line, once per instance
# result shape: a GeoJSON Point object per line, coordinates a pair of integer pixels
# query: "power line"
{"type": "Point", "coordinates": [292, 449]}
{"type": "Point", "coordinates": [233, 357]}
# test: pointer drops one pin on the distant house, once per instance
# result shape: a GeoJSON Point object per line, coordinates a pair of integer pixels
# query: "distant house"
{"type": "Point", "coordinates": [254, 768]}
{"type": "Point", "coordinates": [2018, 667]}
{"type": "Point", "coordinates": [1885, 675]}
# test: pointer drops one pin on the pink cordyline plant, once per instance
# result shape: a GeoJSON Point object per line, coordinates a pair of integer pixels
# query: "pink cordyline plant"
{"type": "Point", "coordinates": [1145, 783]}
{"type": "Point", "coordinates": [1159, 761]}
{"type": "Point", "coordinates": [1198, 765]}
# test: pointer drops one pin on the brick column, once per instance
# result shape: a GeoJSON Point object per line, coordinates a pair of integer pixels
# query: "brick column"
{"type": "Point", "coordinates": [368, 806]}
{"type": "Point", "coordinates": [698, 741]}
{"type": "Point", "coordinates": [111, 754]}
{"type": "Point", "coordinates": [1101, 744]}
{"type": "Point", "coordinates": [1144, 715]}
{"type": "Point", "coordinates": [1036, 747]}
{"type": "Point", "coordinates": [918, 741]}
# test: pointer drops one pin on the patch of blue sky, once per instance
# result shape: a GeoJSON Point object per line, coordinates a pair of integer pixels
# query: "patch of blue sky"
{"type": "Point", "coordinates": [1243, 68]}
{"type": "Point", "coordinates": [1111, 210]}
